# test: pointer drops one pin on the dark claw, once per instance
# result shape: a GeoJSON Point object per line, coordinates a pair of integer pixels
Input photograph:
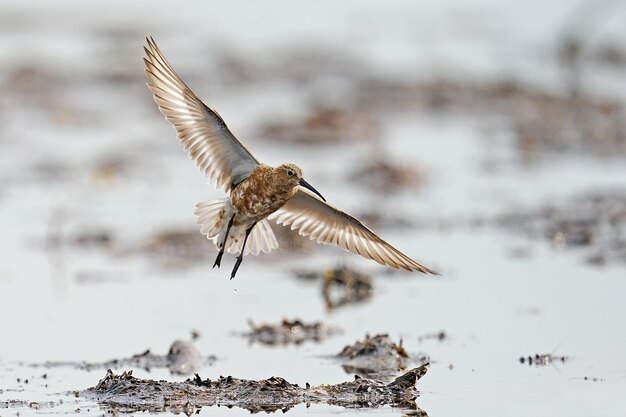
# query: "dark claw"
{"type": "Point", "coordinates": [218, 260]}
{"type": "Point", "coordinates": [239, 259]}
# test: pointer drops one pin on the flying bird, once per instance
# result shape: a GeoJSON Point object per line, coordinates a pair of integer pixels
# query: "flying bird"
{"type": "Point", "coordinates": [257, 193]}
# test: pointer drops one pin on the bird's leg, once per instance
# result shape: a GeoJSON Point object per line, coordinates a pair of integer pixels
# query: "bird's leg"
{"type": "Point", "coordinates": [240, 257]}
{"type": "Point", "coordinates": [218, 260]}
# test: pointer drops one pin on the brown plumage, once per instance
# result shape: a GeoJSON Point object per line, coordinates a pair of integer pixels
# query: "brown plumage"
{"type": "Point", "coordinates": [266, 190]}
{"type": "Point", "coordinates": [257, 192]}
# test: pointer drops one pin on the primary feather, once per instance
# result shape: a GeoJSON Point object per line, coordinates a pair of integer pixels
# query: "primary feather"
{"type": "Point", "coordinates": [202, 132]}
{"type": "Point", "coordinates": [328, 225]}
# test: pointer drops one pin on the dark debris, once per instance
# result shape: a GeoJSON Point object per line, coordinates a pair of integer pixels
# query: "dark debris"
{"type": "Point", "coordinates": [595, 222]}
{"type": "Point", "coordinates": [543, 359]}
{"type": "Point", "coordinates": [374, 356]}
{"type": "Point", "coordinates": [129, 394]}
{"type": "Point", "coordinates": [178, 248]}
{"type": "Point", "coordinates": [439, 336]}
{"type": "Point", "coordinates": [541, 121]}
{"type": "Point", "coordinates": [182, 359]}
{"type": "Point", "coordinates": [288, 332]}
{"type": "Point", "coordinates": [325, 125]}
{"type": "Point", "coordinates": [385, 175]}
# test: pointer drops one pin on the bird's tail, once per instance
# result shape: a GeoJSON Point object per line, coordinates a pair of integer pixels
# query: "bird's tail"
{"type": "Point", "coordinates": [213, 217]}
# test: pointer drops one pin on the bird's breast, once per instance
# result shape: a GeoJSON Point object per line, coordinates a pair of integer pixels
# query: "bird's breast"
{"type": "Point", "coordinates": [257, 197]}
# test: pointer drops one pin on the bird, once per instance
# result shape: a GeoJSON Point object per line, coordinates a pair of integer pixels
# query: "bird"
{"type": "Point", "coordinates": [257, 193]}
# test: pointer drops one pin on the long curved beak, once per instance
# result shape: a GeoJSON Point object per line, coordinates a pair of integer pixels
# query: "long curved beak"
{"type": "Point", "coordinates": [310, 187]}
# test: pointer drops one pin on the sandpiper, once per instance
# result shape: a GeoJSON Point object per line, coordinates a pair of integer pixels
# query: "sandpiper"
{"type": "Point", "coordinates": [257, 192]}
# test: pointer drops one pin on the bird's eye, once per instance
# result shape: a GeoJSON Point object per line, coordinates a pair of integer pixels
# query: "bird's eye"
{"type": "Point", "coordinates": [290, 173]}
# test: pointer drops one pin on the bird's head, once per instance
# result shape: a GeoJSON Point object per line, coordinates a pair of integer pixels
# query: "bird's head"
{"type": "Point", "coordinates": [291, 175]}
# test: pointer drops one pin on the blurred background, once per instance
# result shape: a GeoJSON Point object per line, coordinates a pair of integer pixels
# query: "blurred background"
{"type": "Point", "coordinates": [485, 139]}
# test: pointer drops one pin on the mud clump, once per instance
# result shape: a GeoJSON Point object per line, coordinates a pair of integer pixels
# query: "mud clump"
{"type": "Point", "coordinates": [126, 393]}
{"type": "Point", "coordinates": [93, 239]}
{"type": "Point", "coordinates": [541, 121]}
{"type": "Point", "coordinates": [439, 336]}
{"type": "Point", "coordinates": [33, 405]}
{"type": "Point", "coordinates": [543, 359]}
{"type": "Point", "coordinates": [595, 222]}
{"type": "Point", "coordinates": [182, 359]}
{"type": "Point", "coordinates": [288, 332]}
{"type": "Point", "coordinates": [107, 171]}
{"type": "Point", "coordinates": [178, 248]}
{"type": "Point", "coordinates": [82, 240]}
{"type": "Point", "coordinates": [385, 176]}
{"type": "Point", "coordinates": [325, 125]}
{"type": "Point", "coordinates": [374, 356]}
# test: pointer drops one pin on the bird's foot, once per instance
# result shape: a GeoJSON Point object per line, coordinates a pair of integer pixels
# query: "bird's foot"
{"type": "Point", "coordinates": [236, 267]}
{"type": "Point", "coordinates": [218, 260]}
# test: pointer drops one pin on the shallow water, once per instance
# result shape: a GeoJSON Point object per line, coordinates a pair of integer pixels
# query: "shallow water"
{"type": "Point", "coordinates": [501, 296]}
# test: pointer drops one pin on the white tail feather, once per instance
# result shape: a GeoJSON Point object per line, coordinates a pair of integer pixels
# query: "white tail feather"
{"type": "Point", "coordinates": [213, 217]}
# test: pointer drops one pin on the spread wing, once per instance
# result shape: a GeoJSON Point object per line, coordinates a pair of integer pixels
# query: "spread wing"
{"type": "Point", "coordinates": [202, 132]}
{"type": "Point", "coordinates": [326, 224]}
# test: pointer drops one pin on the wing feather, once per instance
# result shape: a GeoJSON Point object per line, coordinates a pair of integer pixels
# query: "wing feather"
{"type": "Point", "coordinates": [201, 131]}
{"type": "Point", "coordinates": [322, 222]}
